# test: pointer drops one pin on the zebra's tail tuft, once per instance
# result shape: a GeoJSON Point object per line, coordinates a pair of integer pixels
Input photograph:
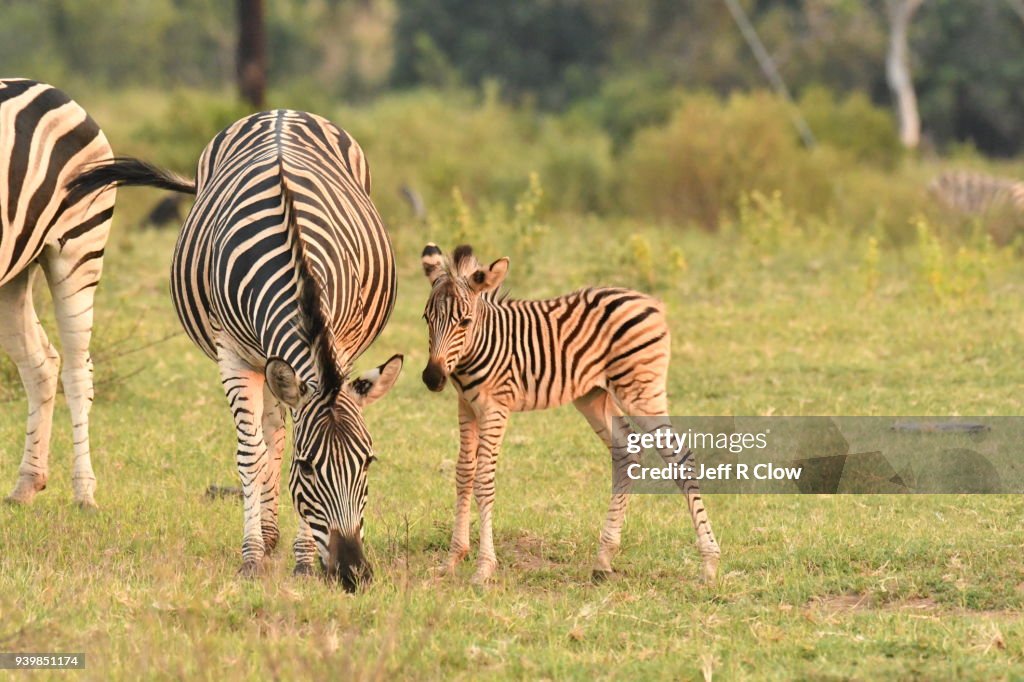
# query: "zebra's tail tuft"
{"type": "Point", "coordinates": [125, 171]}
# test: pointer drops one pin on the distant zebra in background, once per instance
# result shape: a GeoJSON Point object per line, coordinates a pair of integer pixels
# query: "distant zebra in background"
{"type": "Point", "coordinates": [605, 350]}
{"type": "Point", "coordinates": [978, 195]}
{"type": "Point", "coordinates": [283, 273]}
{"type": "Point", "coordinates": [45, 139]}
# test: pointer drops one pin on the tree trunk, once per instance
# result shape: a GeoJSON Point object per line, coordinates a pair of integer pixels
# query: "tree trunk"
{"type": "Point", "coordinates": [897, 69]}
{"type": "Point", "coordinates": [252, 53]}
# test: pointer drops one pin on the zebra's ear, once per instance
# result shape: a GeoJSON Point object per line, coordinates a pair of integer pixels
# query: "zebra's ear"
{"type": "Point", "coordinates": [491, 278]}
{"type": "Point", "coordinates": [284, 383]}
{"type": "Point", "coordinates": [433, 262]}
{"type": "Point", "coordinates": [372, 385]}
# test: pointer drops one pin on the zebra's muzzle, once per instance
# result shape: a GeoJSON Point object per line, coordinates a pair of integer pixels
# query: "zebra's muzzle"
{"type": "Point", "coordinates": [434, 377]}
{"type": "Point", "coordinates": [346, 562]}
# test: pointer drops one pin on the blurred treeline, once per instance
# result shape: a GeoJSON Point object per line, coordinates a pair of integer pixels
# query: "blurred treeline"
{"type": "Point", "coordinates": [653, 109]}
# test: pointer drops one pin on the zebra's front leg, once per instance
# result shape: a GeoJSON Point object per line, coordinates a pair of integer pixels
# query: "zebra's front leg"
{"type": "Point", "coordinates": [465, 472]}
{"type": "Point", "coordinates": [243, 387]}
{"type": "Point", "coordinates": [273, 434]}
{"type": "Point", "coordinates": [22, 336]}
{"type": "Point", "coordinates": [491, 429]}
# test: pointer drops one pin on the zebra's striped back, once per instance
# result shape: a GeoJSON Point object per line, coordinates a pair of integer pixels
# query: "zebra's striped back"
{"type": "Point", "coordinates": [45, 139]}
{"type": "Point", "coordinates": [232, 255]}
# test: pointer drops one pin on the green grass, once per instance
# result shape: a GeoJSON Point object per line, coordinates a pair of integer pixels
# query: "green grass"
{"type": "Point", "coordinates": [846, 587]}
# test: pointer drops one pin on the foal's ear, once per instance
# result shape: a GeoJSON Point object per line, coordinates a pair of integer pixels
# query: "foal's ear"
{"type": "Point", "coordinates": [433, 262]}
{"type": "Point", "coordinates": [372, 385]}
{"type": "Point", "coordinates": [284, 383]}
{"type": "Point", "coordinates": [490, 279]}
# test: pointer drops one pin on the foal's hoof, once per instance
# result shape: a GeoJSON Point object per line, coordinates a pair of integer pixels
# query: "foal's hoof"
{"type": "Point", "coordinates": [250, 570]}
{"type": "Point", "coordinates": [25, 490]}
{"type": "Point", "coordinates": [709, 571]}
{"type": "Point", "coordinates": [303, 570]}
{"type": "Point", "coordinates": [601, 575]}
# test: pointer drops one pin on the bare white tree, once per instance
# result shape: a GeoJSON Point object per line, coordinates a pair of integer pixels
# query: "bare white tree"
{"type": "Point", "coordinates": [897, 69]}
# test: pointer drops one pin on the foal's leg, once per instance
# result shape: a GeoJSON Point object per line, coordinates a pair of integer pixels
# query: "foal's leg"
{"type": "Point", "coordinates": [243, 387]}
{"type": "Point", "coordinates": [605, 418]}
{"type": "Point", "coordinates": [22, 336]}
{"type": "Point", "coordinates": [642, 396]}
{"type": "Point", "coordinates": [273, 435]}
{"type": "Point", "coordinates": [492, 424]}
{"type": "Point", "coordinates": [465, 472]}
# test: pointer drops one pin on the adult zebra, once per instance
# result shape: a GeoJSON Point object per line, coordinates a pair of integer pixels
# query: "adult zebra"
{"type": "Point", "coordinates": [604, 350]}
{"type": "Point", "coordinates": [45, 138]}
{"type": "Point", "coordinates": [284, 274]}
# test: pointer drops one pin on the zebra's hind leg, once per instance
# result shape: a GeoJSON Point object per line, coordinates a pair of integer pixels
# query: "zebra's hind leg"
{"type": "Point", "coordinates": [605, 418]}
{"type": "Point", "coordinates": [642, 397]}
{"type": "Point", "coordinates": [707, 545]}
{"type": "Point", "coordinates": [243, 387]}
{"type": "Point", "coordinates": [73, 272]}
{"type": "Point", "coordinates": [273, 434]}
{"type": "Point", "coordinates": [465, 473]}
{"type": "Point", "coordinates": [23, 338]}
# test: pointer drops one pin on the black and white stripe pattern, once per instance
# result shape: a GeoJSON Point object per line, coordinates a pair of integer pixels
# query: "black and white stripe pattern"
{"type": "Point", "coordinates": [283, 273]}
{"type": "Point", "coordinates": [46, 138]}
{"type": "Point", "coordinates": [974, 194]}
{"type": "Point", "coordinates": [605, 350]}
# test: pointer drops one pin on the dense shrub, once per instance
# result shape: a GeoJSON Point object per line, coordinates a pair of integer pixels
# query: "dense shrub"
{"type": "Point", "coordinates": [433, 141]}
{"type": "Point", "coordinates": [709, 153]}
{"type": "Point", "coordinates": [853, 125]}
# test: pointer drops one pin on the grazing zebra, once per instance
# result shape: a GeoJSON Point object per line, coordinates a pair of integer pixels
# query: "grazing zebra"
{"type": "Point", "coordinates": [284, 274]}
{"type": "Point", "coordinates": [45, 138]}
{"type": "Point", "coordinates": [974, 194]}
{"type": "Point", "coordinates": [604, 350]}
{"type": "Point", "coordinates": [998, 202]}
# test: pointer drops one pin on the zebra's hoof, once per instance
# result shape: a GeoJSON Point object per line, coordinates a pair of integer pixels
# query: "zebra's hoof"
{"type": "Point", "coordinates": [25, 489]}
{"type": "Point", "coordinates": [304, 570]}
{"type": "Point", "coordinates": [87, 505]}
{"type": "Point", "coordinates": [601, 575]}
{"type": "Point", "coordinates": [482, 576]}
{"type": "Point", "coordinates": [709, 571]}
{"type": "Point", "coordinates": [250, 570]}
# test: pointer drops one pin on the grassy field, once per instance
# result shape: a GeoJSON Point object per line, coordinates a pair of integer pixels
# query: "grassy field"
{"type": "Point", "coordinates": [765, 321]}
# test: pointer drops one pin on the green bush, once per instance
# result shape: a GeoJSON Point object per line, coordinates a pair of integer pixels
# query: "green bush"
{"type": "Point", "coordinates": [433, 141]}
{"type": "Point", "coordinates": [696, 167]}
{"type": "Point", "coordinates": [852, 125]}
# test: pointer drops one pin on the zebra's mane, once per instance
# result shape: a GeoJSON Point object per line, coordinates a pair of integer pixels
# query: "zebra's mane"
{"type": "Point", "coordinates": [461, 266]}
{"type": "Point", "coordinates": [314, 318]}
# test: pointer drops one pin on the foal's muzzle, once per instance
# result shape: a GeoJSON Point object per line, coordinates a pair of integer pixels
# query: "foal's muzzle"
{"type": "Point", "coordinates": [434, 377]}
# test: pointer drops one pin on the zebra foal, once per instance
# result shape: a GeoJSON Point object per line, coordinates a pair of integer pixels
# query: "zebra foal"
{"type": "Point", "coordinates": [45, 139]}
{"type": "Point", "coordinates": [604, 350]}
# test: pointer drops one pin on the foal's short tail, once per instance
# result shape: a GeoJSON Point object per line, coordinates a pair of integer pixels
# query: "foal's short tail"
{"type": "Point", "coordinates": [125, 171]}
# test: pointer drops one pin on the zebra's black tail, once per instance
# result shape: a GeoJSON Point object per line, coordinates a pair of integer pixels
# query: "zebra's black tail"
{"type": "Point", "coordinates": [125, 170]}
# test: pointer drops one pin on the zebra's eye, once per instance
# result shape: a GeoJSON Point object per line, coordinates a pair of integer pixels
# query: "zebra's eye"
{"type": "Point", "coordinates": [464, 322]}
{"type": "Point", "coordinates": [305, 468]}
